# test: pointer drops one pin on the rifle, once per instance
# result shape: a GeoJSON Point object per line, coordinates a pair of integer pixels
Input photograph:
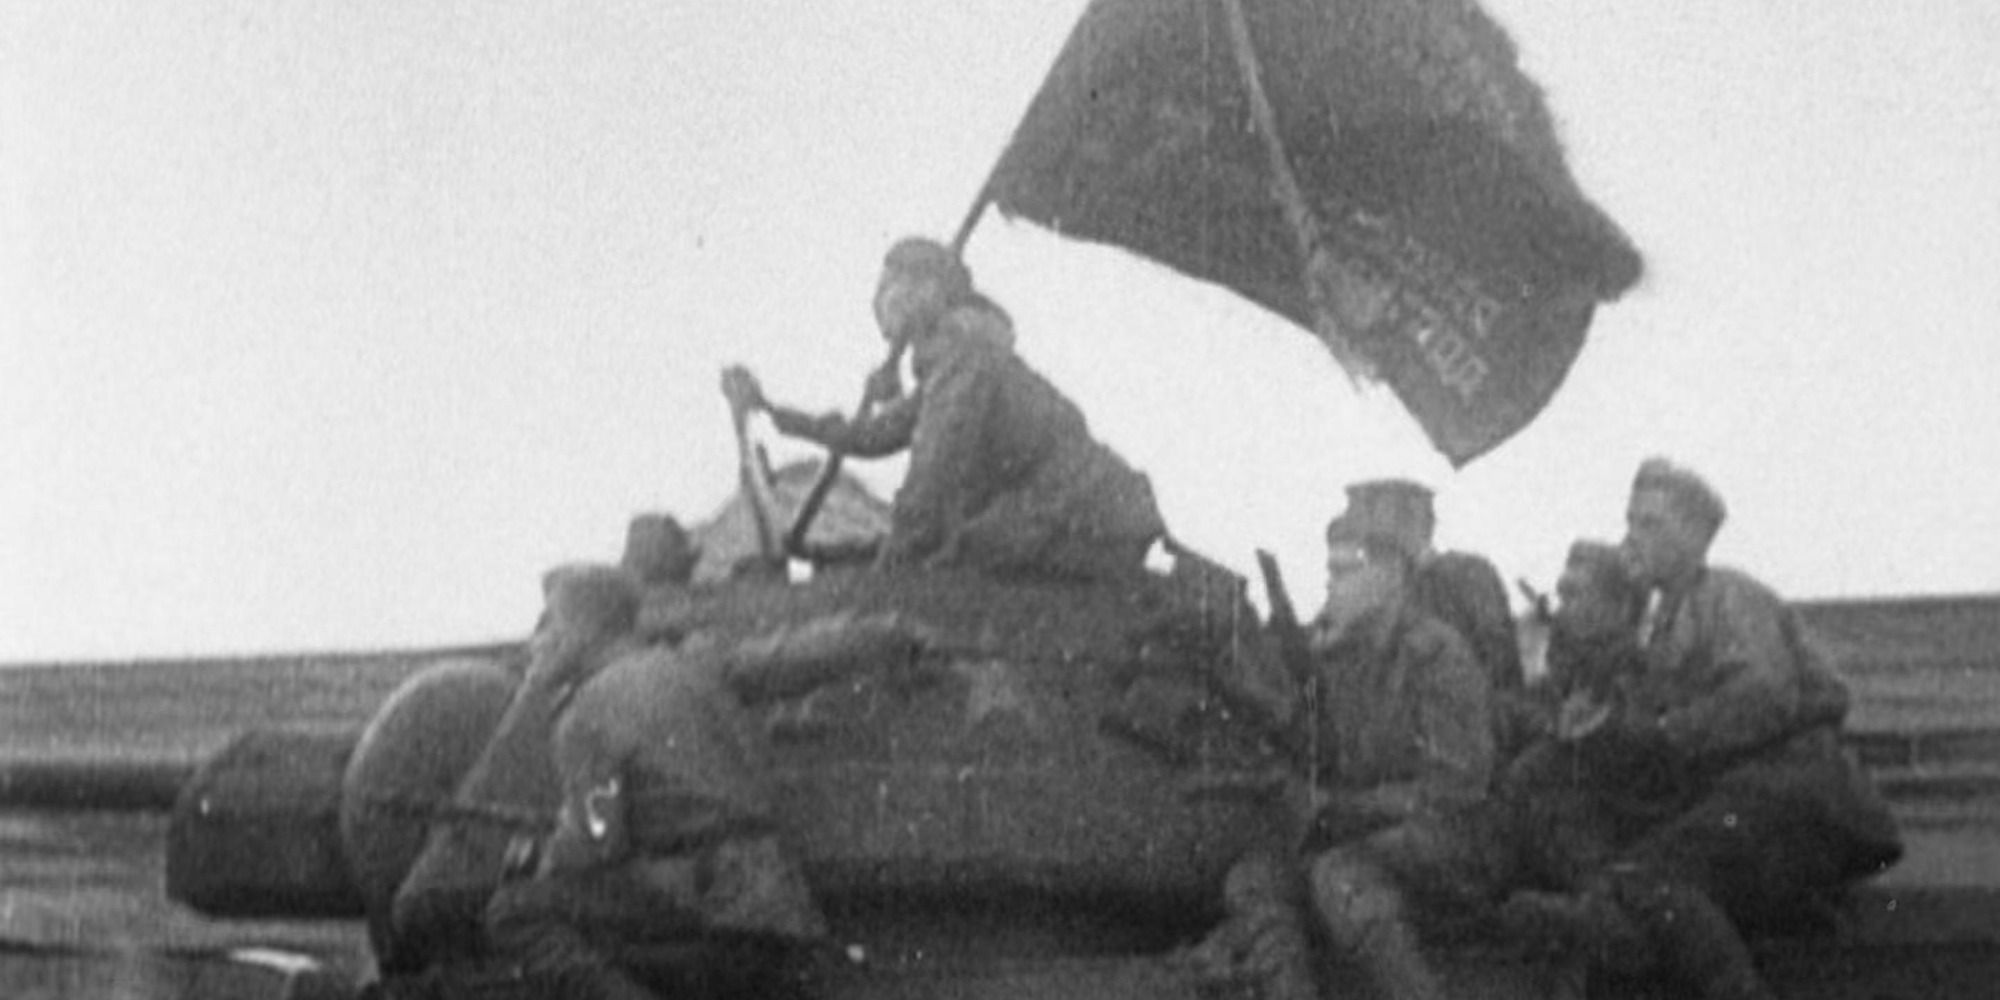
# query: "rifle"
{"type": "Point", "coordinates": [1295, 654]}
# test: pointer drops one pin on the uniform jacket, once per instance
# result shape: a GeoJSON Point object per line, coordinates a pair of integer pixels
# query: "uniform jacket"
{"type": "Point", "coordinates": [1464, 591]}
{"type": "Point", "coordinates": [665, 770]}
{"type": "Point", "coordinates": [1003, 470]}
{"type": "Point", "coordinates": [1730, 671]}
{"type": "Point", "coordinates": [1751, 708]}
{"type": "Point", "coordinates": [1409, 721]}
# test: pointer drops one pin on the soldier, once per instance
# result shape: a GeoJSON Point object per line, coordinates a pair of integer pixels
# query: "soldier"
{"type": "Point", "coordinates": [1003, 473]}
{"type": "Point", "coordinates": [667, 870]}
{"type": "Point", "coordinates": [659, 551]}
{"type": "Point", "coordinates": [1409, 710]}
{"type": "Point", "coordinates": [1735, 699]}
{"type": "Point", "coordinates": [1461, 589]}
{"type": "Point", "coordinates": [587, 621]}
{"type": "Point", "coordinates": [1403, 739]}
{"type": "Point", "coordinates": [1576, 794]}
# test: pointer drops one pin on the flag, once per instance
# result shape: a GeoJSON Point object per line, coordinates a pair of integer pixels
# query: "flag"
{"type": "Point", "coordinates": [1379, 172]}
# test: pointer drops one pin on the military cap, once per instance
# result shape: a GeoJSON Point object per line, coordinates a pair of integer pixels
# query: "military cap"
{"type": "Point", "coordinates": [591, 597]}
{"type": "Point", "coordinates": [1397, 508]}
{"type": "Point", "coordinates": [1602, 563]}
{"type": "Point", "coordinates": [1689, 493]}
{"type": "Point", "coordinates": [918, 255]}
{"type": "Point", "coordinates": [658, 549]}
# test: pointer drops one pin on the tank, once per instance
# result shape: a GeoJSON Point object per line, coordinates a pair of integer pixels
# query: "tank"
{"type": "Point", "coordinates": [1053, 818]}
{"type": "Point", "coordinates": [1072, 786]}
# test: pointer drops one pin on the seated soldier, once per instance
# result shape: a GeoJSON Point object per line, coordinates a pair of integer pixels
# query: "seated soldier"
{"type": "Point", "coordinates": [1415, 751]}
{"type": "Point", "coordinates": [659, 551]}
{"type": "Point", "coordinates": [1003, 473]}
{"type": "Point", "coordinates": [1461, 589]}
{"type": "Point", "coordinates": [1576, 793]}
{"type": "Point", "coordinates": [1402, 741]}
{"type": "Point", "coordinates": [667, 870]}
{"type": "Point", "coordinates": [1737, 702]}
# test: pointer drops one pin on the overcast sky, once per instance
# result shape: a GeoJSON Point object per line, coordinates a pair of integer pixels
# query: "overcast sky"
{"type": "Point", "coordinates": [332, 325]}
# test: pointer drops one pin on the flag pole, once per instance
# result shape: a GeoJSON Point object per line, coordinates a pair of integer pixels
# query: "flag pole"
{"type": "Point", "coordinates": [972, 216]}
{"type": "Point", "coordinates": [1304, 224]}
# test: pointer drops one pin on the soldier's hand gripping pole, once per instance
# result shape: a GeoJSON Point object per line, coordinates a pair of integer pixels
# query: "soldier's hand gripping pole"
{"type": "Point", "coordinates": [795, 539]}
{"type": "Point", "coordinates": [755, 478]}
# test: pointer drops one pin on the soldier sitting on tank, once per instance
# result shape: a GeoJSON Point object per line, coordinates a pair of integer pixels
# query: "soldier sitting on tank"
{"type": "Point", "coordinates": [658, 551]}
{"type": "Point", "coordinates": [1735, 699]}
{"type": "Point", "coordinates": [1402, 744]}
{"type": "Point", "coordinates": [667, 871]}
{"type": "Point", "coordinates": [1461, 589]}
{"type": "Point", "coordinates": [1578, 790]}
{"type": "Point", "coordinates": [1004, 475]}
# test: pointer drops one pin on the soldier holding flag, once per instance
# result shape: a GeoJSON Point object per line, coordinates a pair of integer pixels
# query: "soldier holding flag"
{"type": "Point", "coordinates": [1004, 475]}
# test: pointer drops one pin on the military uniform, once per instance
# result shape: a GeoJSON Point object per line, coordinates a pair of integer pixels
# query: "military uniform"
{"type": "Point", "coordinates": [1573, 801]}
{"type": "Point", "coordinates": [1775, 813]}
{"type": "Point", "coordinates": [1407, 838]}
{"type": "Point", "coordinates": [1406, 754]}
{"type": "Point", "coordinates": [667, 870]}
{"type": "Point", "coordinates": [1004, 474]}
{"type": "Point", "coordinates": [1403, 722]}
{"type": "Point", "coordinates": [1461, 589]}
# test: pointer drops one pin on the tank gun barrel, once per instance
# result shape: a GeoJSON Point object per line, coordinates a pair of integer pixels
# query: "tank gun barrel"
{"type": "Point", "coordinates": [93, 785]}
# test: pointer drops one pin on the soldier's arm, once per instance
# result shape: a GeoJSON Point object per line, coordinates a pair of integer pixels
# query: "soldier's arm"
{"type": "Point", "coordinates": [1454, 736]}
{"type": "Point", "coordinates": [591, 828]}
{"type": "Point", "coordinates": [1253, 680]}
{"type": "Point", "coordinates": [885, 431]}
{"type": "Point", "coordinates": [1756, 699]}
{"type": "Point", "coordinates": [795, 660]}
{"type": "Point", "coordinates": [1468, 594]}
{"type": "Point", "coordinates": [945, 455]}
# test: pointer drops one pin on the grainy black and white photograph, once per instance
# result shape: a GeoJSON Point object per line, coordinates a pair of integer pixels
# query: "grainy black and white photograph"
{"type": "Point", "coordinates": [1128, 499]}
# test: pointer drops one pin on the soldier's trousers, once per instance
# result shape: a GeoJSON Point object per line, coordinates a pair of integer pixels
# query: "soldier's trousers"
{"type": "Point", "coordinates": [600, 934]}
{"type": "Point", "coordinates": [1761, 845]}
{"type": "Point", "coordinates": [1433, 876]}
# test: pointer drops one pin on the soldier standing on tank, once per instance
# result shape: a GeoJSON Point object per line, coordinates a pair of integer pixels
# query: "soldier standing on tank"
{"type": "Point", "coordinates": [1735, 700]}
{"type": "Point", "coordinates": [667, 871]}
{"type": "Point", "coordinates": [1004, 474]}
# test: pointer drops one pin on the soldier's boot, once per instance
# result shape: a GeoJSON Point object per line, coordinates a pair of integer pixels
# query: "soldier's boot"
{"type": "Point", "coordinates": [1262, 940]}
{"type": "Point", "coordinates": [530, 928]}
{"type": "Point", "coordinates": [1363, 913]}
{"type": "Point", "coordinates": [1589, 925]}
{"type": "Point", "coordinates": [1695, 940]}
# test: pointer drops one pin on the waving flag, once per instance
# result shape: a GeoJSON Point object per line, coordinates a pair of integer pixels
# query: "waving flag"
{"type": "Point", "coordinates": [1379, 172]}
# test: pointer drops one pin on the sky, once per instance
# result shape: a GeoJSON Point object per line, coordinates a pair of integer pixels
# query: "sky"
{"type": "Point", "coordinates": [331, 326]}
